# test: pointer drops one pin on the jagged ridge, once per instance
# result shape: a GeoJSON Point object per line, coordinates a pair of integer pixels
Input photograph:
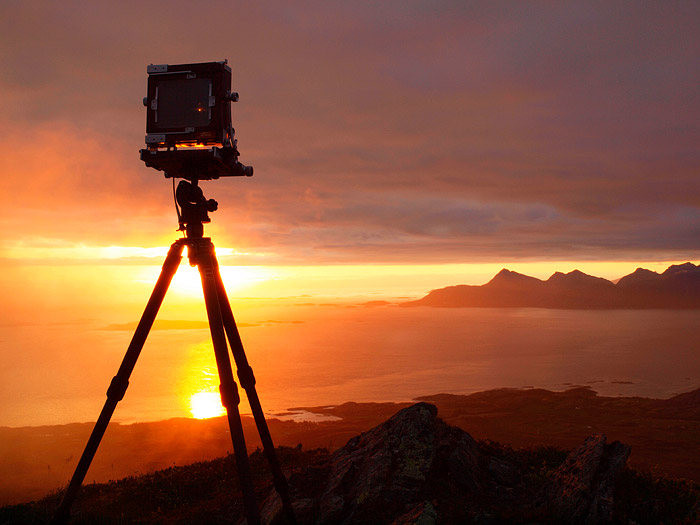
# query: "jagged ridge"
{"type": "Point", "coordinates": [677, 287]}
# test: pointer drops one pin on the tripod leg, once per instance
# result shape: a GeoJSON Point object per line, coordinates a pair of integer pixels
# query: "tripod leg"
{"type": "Point", "coordinates": [247, 379]}
{"type": "Point", "coordinates": [229, 390]}
{"type": "Point", "coordinates": [120, 382]}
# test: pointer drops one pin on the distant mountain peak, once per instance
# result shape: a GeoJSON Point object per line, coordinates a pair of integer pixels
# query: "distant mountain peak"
{"type": "Point", "coordinates": [505, 273]}
{"type": "Point", "coordinates": [640, 275]}
{"type": "Point", "coordinates": [577, 278]}
{"type": "Point", "coordinates": [510, 277]}
{"type": "Point", "coordinates": [681, 268]}
{"type": "Point", "coordinates": [573, 274]}
{"type": "Point", "coordinates": [643, 271]}
{"type": "Point", "coordinates": [678, 287]}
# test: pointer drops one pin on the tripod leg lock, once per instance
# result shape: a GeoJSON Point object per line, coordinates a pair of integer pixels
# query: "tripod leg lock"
{"type": "Point", "coordinates": [229, 396]}
{"type": "Point", "coordinates": [246, 377]}
{"type": "Point", "coordinates": [117, 388]}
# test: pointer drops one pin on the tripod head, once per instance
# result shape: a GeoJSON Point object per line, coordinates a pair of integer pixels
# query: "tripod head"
{"type": "Point", "coordinates": [194, 208]}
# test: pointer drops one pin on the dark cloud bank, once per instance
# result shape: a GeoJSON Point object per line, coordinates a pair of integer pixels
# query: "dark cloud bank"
{"type": "Point", "coordinates": [412, 132]}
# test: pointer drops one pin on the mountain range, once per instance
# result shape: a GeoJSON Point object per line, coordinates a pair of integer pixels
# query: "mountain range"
{"type": "Point", "coordinates": [676, 288]}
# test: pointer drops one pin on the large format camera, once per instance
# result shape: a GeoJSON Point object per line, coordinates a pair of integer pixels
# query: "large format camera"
{"type": "Point", "coordinates": [188, 123]}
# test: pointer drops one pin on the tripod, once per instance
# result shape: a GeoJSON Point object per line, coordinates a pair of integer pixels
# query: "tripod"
{"type": "Point", "coordinates": [222, 325]}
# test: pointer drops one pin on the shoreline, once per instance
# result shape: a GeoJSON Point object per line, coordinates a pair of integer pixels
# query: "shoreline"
{"type": "Point", "coordinates": [316, 413]}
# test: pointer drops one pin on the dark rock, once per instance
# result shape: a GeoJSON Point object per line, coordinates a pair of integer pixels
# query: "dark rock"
{"type": "Point", "coordinates": [581, 489]}
{"type": "Point", "coordinates": [422, 514]}
{"type": "Point", "coordinates": [414, 468]}
{"type": "Point", "coordinates": [389, 472]}
{"type": "Point", "coordinates": [694, 516]}
{"type": "Point", "coordinates": [381, 472]}
{"type": "Point", "coordinates": [503, 473]}
{"type": "Point", "coordinates": [304, 486]}
{"type": "Point", "coordinates": [383, 466]}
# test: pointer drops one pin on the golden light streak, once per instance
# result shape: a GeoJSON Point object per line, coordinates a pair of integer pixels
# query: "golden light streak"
{"type": "Point", "coordinates": [130, 271]}
{"type": "Point", "coordinates": [44, 249]}
{"type": "Point", "coordinates": [187, 281]}
{"type": "Point", "coordinates": [66, 251]}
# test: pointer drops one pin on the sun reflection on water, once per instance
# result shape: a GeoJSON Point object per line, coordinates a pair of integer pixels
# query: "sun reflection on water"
{"type": "Point", "coordinates": [199, 391]}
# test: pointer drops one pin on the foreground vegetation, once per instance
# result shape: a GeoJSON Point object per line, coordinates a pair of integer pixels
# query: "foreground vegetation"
{"type": "Point", "coordinates": [663, 434]}
{"type": "Point", "coordinates": [208, 492]}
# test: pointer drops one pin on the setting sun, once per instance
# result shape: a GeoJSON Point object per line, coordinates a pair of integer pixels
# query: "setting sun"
{"type": "Point", "coordinates": [204, 405]}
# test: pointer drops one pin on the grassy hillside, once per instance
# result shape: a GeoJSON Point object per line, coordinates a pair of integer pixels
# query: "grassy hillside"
{"type": "Point", "coordinates": [208, 492]}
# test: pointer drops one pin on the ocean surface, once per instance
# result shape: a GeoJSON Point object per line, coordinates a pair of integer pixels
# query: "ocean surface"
{"type": "Point", "coordinates": [311, 355]}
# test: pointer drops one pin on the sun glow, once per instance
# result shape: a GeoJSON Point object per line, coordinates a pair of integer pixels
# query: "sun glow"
{"type": "Point", "coordinates": [204, 405]}
{"type": "Point", "coordinates": [187, 281]}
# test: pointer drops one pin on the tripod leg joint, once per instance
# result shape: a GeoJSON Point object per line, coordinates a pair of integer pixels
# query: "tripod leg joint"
{"type": "Point", "coordinates": [229, 395]}
{"type": "Point", "coordinates": [117, 388]}
{"type": "Point", "coordinates": [246, 377]}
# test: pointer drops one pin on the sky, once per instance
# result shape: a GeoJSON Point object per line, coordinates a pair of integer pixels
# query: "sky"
{"type": "Point", "coordinates": [424, 133]}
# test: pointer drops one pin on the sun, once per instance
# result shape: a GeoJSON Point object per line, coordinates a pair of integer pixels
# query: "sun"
{"type": "Point", "coordinates": [204, 405]}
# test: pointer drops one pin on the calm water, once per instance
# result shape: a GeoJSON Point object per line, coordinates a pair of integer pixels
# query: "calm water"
{"type": "Point", "coordinates": [315, 355]}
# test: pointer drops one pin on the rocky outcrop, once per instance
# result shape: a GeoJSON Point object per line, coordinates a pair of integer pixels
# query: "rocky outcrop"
{"type": "Point", "coordinates": [694, 516]}
{"type": "Point", "coordinates": [393, 472]}
{"type": "Point", "coordinates": [385, 468]}
{"type": "Point", "coordinates": [581, 489]}
{"type": "Point", "coordinates": [414, 468]}
{"type": "Point", "coordinates": [422, 514]}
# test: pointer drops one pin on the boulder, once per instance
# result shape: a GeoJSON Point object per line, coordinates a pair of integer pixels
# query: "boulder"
{"type": "Point", "coordinates": [581, 489]}
{"type": "Point", "coordinates": [392, 473]}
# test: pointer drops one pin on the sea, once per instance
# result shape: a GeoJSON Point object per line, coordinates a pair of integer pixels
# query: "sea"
{"type": "Point", "coordinates": [320, 354]}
